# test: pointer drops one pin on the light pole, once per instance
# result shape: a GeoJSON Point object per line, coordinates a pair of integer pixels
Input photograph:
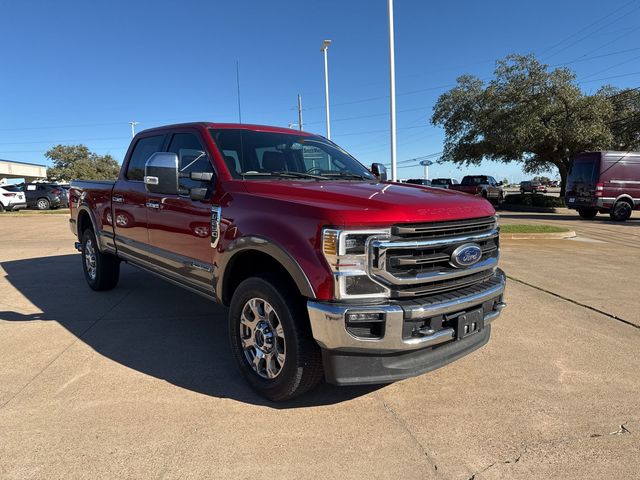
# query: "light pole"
{"type": "Point", "coordinates": [133, 128]}
{"type": "Point", "coordinates": [392, 92]}
{"type": "Point", "coordinates": [325, 46]}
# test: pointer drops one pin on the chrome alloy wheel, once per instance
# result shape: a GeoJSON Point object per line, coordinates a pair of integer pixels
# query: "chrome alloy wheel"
{"type": "Point", "coordinates": [262, 338]}
{"type": "Point", "coordinates": [90, 259]}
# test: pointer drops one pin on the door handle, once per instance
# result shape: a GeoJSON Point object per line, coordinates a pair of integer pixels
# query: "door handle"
{"type": "Point", "coordinates": [117, 198]}
{"type": "Point", "coordinates": [155, 205]}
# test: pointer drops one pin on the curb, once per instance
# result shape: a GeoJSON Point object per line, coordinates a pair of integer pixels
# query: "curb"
{"type": "Point", "coordinates": [526, 208]}
{"type": "Point", "coordinates": [538, 236]}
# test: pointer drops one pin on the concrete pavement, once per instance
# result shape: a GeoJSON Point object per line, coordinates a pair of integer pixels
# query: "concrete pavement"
{"type": "Point", "coordinates": [139, 383]}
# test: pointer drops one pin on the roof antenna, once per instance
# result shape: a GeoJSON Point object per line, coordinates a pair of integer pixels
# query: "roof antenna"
{"type": "Point", "coordinates": [238, 84]}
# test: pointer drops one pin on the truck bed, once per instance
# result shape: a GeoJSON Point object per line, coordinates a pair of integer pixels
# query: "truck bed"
{"type": "Point", "coordinates": [96, 201]}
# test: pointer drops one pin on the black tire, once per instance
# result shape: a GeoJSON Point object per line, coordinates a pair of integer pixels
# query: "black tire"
{"type": "Point", "coordinates": [1, 208]}
{"type": "Point", "coordinates": [43, 204]}
{"type": "Point", "coordinates": [301, 369]}
{"type": "Point", "coordinates": [587, 213]}
{"type": "Point", "coordinates": [621, 211]}
{"type": "Point", "coordinates": [107, 266]}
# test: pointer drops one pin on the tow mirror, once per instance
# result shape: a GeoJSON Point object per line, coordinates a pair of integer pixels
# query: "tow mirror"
{"type": "Point", "coordinates": [380, 171]}
{"type": "Point", "coordinates": [161, 173]}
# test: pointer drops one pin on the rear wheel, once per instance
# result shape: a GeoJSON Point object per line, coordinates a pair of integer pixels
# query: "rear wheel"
{"type": "Point", "coordinates": [1, 207]}
{"type": "Point", "coordinates": [271, 338]}
{"type": "Point", "coordinates": [101, 270]}
{"type": "Point", "coordinates": [587, 212]}
{"type": "Point", "coordinates": [43, 204]}
{"type": "Point", "coordinates": [621, 211]}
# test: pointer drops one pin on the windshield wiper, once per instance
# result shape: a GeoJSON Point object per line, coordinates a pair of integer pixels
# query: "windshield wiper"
{"type": "Point", "coordinates": [346, 175]}
{"type": "Point", "coordinates": [284, 174]}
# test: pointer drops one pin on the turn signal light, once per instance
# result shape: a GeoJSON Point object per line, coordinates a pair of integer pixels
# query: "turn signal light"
{"type": "Point", "coordinates": [330, 242]}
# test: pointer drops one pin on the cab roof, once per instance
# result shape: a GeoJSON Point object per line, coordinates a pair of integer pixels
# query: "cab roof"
{"type": "Point", "coordinates": [231, 126]}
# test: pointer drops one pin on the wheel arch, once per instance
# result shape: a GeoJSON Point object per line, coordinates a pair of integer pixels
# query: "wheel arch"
{"type": "Point", "coordinates": [625, 197]}
{"type": "Point", "coordinates": [250, 256]}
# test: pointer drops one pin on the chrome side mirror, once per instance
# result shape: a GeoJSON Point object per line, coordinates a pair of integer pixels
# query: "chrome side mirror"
{"type": "Point", "coordinates": [161, 173]}
{"type": "Point", "coordinates": [380, 171]}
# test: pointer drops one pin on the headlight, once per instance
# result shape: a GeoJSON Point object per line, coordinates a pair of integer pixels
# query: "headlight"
{"type": "Point", "coordinates": [346, 254]}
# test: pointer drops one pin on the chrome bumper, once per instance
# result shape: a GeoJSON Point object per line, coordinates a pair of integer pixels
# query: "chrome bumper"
{"type": "Point", "coordinates": [329, 327]}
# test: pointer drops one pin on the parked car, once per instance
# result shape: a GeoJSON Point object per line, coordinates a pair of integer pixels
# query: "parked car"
{"type": "Point", "coordinates": [321, 262]}
{"type": "Point", "coordinates": [482, 185]}
{"type": "Point", "coordinates": [532, 187]}
{"type": "Point", "coordinates": [553, 184]}
{"type": "Point", "coordinates": [45, 196]}
{"type": "Point", "coordinates": [419, 181]}
{"type": "Point", "coordinates": [11, 198]}
{"type": "Point", "coordinates": [605, 182]}
{"type": "Point", "coordinates": [443, 182]}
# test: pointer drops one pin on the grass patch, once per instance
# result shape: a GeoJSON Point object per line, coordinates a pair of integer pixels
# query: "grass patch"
{"type": "Point", "coordinates": [534, 200]}
{"type": "Point", "coordinates": [19, 213]}
{"type": "Point", "coordinates": [532, 229]}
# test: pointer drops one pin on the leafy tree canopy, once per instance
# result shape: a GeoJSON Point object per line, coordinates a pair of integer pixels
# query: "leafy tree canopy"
{"type": "Point", "coordinates": [77, 161]}
{"type": "Point", "coordinates": [533, 115]}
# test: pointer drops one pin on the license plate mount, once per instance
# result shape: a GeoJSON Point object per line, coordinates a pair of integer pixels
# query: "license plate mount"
{"type": "Point", "coordinates": [469, 323]}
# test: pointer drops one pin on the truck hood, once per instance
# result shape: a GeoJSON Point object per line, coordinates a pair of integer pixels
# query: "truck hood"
{"type": "Point", "coordinates": [373, 203]}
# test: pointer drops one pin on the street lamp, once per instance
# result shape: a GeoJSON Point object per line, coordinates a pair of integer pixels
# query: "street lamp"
{"type": "Point", "coordinates": [392, 92]}
{"type": "Point", "coordinates": [133, 128]}
{"type": "Point", "coordinates": [325, 46]}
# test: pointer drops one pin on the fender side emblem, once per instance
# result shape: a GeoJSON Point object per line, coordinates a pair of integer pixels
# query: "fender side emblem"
{"type": "Point", "coordinates": [215, 225]}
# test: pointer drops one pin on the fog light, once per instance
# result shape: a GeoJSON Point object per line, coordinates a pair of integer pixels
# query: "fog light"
{"type": "Point", "coordinates": [353, 317]}
{"type": "Point", "coordinates": [365, 324]}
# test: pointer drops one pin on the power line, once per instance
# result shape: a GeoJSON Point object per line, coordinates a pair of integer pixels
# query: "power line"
{"type": "Point", "coordinates": [586, 28]}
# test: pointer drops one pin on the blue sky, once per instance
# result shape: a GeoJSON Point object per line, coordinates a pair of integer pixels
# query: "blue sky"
{"type": "Point", "coordinates": [79, 71]}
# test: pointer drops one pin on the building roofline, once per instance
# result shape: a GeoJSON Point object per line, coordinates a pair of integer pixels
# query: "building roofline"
{"type": "Point", "coordinates": [23, 163]}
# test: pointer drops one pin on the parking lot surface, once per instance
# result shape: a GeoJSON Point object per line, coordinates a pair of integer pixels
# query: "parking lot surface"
{"type": "Point", "coordinates": [139, 382]}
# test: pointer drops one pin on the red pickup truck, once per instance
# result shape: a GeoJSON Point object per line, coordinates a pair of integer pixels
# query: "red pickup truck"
{"type": "Point", "coordinates": [482, 185]}
{"type": "Point", "coordinates": [328, 270]}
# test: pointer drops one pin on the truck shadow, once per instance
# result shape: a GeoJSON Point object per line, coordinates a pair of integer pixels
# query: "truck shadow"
{"type": "Point", "coordinates": [148, 325]}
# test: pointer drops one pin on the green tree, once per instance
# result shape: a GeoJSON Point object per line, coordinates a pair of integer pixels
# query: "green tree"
{"type": "Point", "coordinates": [532, 115]}
{"type": "Point", "coordinates": [77, 161]}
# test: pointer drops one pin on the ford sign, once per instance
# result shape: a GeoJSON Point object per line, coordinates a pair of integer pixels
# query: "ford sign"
{"type": "Point", "coordinates": [466, 255]}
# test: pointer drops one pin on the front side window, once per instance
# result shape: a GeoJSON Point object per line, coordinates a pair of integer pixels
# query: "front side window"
{"type": "Point", "coordinates": [141, 152]}
{"type": "Point", "coordinates": [265, 155]}
{"type": "Point", "coordinates": [191, 158]}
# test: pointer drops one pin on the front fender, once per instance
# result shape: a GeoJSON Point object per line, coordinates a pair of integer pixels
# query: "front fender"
{"type": "Point", "coordinates": [268, 247]}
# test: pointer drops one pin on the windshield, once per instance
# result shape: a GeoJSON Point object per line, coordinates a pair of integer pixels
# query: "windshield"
{"type": "Point", "coordinates": [439, 181]}
{"type": "Point", "coordinates": [265, 155]}
{"type": "Point", "coordinates": [476, 180]}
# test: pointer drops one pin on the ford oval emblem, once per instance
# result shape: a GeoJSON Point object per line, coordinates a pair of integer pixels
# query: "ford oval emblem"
{"type": "Point", "coordinates": [466, 255]}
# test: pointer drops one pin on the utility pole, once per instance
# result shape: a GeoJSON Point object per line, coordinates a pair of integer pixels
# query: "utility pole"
{"type": "Point", "coordinates": [392, 92]}
{"type": "Point", "coordinates": [300, 112]}
{"type": "Point", "coordinates": [133, 128]}
{"type": "Point", "coordinates": [238, 85]}
{"type": "Point", "coordinates": [325, 46]}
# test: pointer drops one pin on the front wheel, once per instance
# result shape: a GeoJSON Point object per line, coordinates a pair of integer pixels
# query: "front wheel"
{"type": "Point", "coordinates": [101, 270]}
{"type": "Point", "coordinates": [621, 211]}
{"type": "Point", "coordinates": [271, 338]}
{"type": "Point", "coordinates": [587, 213]}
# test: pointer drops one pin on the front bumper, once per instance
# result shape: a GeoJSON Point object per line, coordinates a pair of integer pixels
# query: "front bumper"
{"type": "Point", "coordinates": [402, 351]}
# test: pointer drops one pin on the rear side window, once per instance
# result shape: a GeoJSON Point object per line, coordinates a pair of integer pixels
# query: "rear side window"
{"type": "Point", "coordinates": [141, 152]}
{"type": "Point", "coordinates": [191, 157]}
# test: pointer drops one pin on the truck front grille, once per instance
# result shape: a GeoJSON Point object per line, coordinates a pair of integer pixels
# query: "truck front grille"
{"type": "Point", "coordinates": [416, 260]}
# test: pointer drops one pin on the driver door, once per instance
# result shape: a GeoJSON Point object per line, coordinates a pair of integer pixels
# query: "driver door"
{"type": "Point", "coordinates": [179, 227]}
